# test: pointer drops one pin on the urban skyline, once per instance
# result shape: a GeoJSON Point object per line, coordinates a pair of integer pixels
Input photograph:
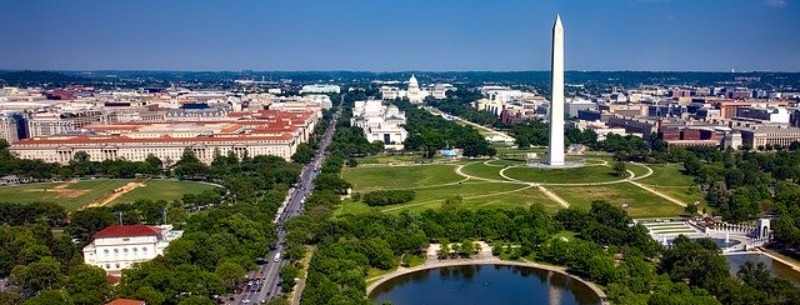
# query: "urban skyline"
{"type": "Point", "coordinates": [636, 35]}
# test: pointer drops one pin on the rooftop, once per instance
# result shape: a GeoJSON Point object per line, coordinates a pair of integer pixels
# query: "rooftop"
{"type": "Point", "coordinates": [128, 231]}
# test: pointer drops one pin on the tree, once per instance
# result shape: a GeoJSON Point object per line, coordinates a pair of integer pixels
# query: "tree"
{"type": "Point", "coordinates": [230, 273]}
{"type": "Point", "coordinates": [149, 295]}
{"type": "Point", "coordinates": [467, 248]}
{"type": "Point", "coordinates": [304, 154]}
{"type": "Point", "coordinates": [37, 276]}
{"type": "Point", "coordinates": [154, 164]}
{"type": "Point", "coordinates": [352, 162]}
{"type": "Point", "coordinates": [619, 168]}
{"type": "Point", "coordinates": [87, 285]}
{"type": "Point", "coordinates": [452, 203]}
{"type": "Point", "coordinates": [50, 297]}
{"type": "Point", "coordinates": [196, 300]}
{"type": "Point", "coordinates": [287, 274]}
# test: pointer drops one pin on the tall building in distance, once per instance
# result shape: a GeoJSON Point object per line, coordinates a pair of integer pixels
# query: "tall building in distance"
{"type": "Point", "coordinates": [556, 147]}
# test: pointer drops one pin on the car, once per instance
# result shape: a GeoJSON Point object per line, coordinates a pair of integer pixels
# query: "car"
{"type": "Point", "coordinates": [246, 301]}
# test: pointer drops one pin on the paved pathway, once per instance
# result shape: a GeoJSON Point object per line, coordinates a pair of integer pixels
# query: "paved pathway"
{"type": "Point", "coordinates": [553, 196]}
{"type": "Point", "coordinates": [657, 193]}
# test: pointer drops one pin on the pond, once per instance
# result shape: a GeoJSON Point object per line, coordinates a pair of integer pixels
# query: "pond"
{"type": "Point", "coordinates": [484, 284]}
{"type": "Point", "coordinates": [776, 268]}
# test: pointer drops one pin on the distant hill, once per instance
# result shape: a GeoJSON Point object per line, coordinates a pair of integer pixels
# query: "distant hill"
{"type": "Point", "coordinates": [39, 78]}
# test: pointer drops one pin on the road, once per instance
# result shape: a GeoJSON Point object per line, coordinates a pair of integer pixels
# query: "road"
{"type": "Point", "coordinates": [269, 273]}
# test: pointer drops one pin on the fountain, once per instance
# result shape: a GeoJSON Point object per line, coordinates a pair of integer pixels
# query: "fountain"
{"type": "Point", "coordinates": [727, 238]}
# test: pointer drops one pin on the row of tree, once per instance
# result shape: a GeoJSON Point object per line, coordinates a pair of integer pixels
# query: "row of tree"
{"type": "Point", "coordinates": [382, 198]}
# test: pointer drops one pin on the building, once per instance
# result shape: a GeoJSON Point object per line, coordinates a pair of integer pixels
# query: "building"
{"type": "Point", "coordinates": [316, 88]}
{"type": "Point", "coordinates": [118, 247]}
{"type": "Point", "coordinates": [380, 123]}
{"type": "Point", "coordinates": [772, 114]}
{"type": "Point", "coordinates": [761, 137]}
{"type": "Point", "coordinates": [414, 93]}
{"type": "Point", "coordinates": [51, 123]}
{"type": "Point", "coordinates": [668, 110]}
{"type": "Point", "coordinates": [633, 125]}
{"type": "Point", "coordinates": [265, 132]}
{"type": "Point", "coordinates": [574, 105]}
{"type": "Point", "coordinates": [9, 130]}
{"type": "Point", "coordinates": [439, 91]}
{"type": "Point", "coordinates": [730, 108]}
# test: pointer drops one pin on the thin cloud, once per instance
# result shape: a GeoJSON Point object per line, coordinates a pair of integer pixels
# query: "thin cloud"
{"type": "Point", "coordinates": [777, 3]}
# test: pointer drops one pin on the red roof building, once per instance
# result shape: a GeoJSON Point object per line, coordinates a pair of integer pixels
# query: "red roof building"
{"type": "Point", "coordinates": [127, 231]}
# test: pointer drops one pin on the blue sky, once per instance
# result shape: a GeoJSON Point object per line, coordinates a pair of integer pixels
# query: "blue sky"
{"type": "Point", "coordinates": [383, 35]}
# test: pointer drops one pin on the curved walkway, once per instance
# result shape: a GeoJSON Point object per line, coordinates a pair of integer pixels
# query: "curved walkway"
{"type": "Point", "coordinates": [482, 261]}
{"type": "Point", "coordinates": [630, 177]}
{"type": "Point", "coordinates": [459, 170]}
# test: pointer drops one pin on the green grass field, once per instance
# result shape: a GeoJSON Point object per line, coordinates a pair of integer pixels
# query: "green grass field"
{"type": "Point", "coordinates": [668, 175]}
{"type": "Point", "coordinates": [481, 170]}
{"type": "Point", "coordinates": [637, 169]}
{"type": "Point", "coordinates": [473, 193]}
{"type": "Point", "coordinates": [399, 177]}
{"type": "Point", "coordinates": [433, 184]}
{"type": "Point", "coordinates": [69, 195]}
{"type": "Point", "coordinates": [641, 203]}
{"type": "Point", "coordinates": [164, 190]}
{"type": "Point", "coordinates": [572, 175]}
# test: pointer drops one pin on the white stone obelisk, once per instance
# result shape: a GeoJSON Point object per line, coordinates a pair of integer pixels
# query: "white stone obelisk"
{"type": "Point", "coordinates": [556, 148]}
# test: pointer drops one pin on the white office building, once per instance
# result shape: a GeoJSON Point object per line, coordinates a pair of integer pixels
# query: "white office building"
{"type": "Point", "coordinates": [316, 88]}
{"type": "Point", "coordinates": [118, 247]}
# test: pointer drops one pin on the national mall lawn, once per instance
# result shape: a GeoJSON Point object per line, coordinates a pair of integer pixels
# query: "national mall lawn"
{"type": "Point", "coordinates": [508, 183]}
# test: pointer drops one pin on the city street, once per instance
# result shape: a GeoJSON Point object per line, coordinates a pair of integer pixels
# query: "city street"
{"type": "Point", "coordinates": [269, 273]}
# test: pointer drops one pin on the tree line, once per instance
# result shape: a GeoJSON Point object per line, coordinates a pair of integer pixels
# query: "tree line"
{"type": "Point", "coordinates": [389, 197]}
{"type": "Point", "coordinates": [430, 133]}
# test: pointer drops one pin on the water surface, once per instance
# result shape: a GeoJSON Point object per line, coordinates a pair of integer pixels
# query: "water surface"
{"type": "Point", "coordinates": [484, 285]}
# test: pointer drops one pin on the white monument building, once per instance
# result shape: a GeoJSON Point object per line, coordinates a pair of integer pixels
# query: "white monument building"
{"type": "Point", "coordinates": [414, 93]}
{"type": "Point", "coordinates": [555, 156]}
{"type": "Point", "coordinates": [118, 247]}
{"type": "Point", "coordinates": [380, 123]}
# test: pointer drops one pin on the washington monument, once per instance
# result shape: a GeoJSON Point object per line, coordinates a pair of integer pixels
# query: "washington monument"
{"type": "Point", "coordinates": [556, 148]}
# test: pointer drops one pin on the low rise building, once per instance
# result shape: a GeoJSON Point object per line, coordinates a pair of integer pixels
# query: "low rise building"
{"type": "Point", "coordinates": [316, 88]}
{"type": "Point", "coordinates": [761, 137]}
{"type": "Point", "coordinates": [265, 132]}
{"type": "Point", "coordinates": [118, 247]}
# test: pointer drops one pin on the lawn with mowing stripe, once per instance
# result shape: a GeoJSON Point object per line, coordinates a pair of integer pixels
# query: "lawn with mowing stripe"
{"type": "Point", "coordinates": [164, 190]}
{"type": "Point", "coordinates": [70, 195]}
{"type": "Point", "coordinates": [641, 203]}
{"type": "Point", "coordinates": [399, 177]}
{"type": "Point", "coordinates": [585, 174]}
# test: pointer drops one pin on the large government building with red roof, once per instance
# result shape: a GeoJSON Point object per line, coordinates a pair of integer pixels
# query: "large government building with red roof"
{"type": "Point", "coordinates": [118, 247]}
{"type": "Point", "coordinates": [253, 133]}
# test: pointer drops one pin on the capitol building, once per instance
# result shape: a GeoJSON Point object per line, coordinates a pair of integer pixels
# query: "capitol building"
{"type": "Point", "coordinates": [414, 93]}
